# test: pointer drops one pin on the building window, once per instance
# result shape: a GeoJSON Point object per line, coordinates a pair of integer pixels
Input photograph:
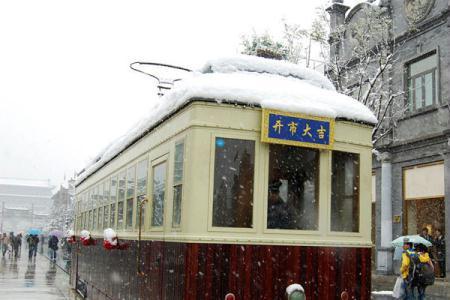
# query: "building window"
{"type": "Point", "coordinates": [293, 188]}
{"type": "Point", "coordinates": [159, 189]}
{"type": "Point", "coordinates": [177, 184]}
{"type": "Point", "coordinates": [131, 176]}
{"type": "Point", "coordinates": [233, 183]}
{"type": "Point", "coordinates": [345, 192]}
{"type": "Point", "coordinates": [120, 200]}
{"type": "Point", "coordinates": [422, 82]}
{"type": "Point", "coordinates": [141, 190]}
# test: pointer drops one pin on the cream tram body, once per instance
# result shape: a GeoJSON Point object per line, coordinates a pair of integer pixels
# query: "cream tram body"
{"type": "Point", "coordinates": [177, 159]}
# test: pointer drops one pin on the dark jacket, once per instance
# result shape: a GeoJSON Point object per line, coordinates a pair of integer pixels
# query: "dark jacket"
{"type": "Point", "coordinates": [439, 244]}
{"type": "Point", "coordinates": [53, 243]}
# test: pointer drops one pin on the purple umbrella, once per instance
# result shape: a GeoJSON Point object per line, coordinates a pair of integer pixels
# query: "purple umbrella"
{"type": "Point", "coordinates": [59, 234]}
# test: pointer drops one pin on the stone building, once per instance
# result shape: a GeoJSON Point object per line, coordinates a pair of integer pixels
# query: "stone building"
{"type": "Point", "coordinates": [62, 210]}
{"type": "Point", "coordinates": [411, 175]}
{"type": "Point", "coordinates": [24, 203]}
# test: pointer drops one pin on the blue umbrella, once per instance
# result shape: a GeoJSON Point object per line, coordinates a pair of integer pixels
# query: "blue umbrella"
{"type": "Point", "coordinates": [34, 231]}
{"type": "Point", "coordinates": [415, 239]}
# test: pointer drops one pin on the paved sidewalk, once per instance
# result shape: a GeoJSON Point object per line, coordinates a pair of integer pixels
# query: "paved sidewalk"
{"type": "Point", "coordinates": [36, 279]}
{"type": "Point", "coordinates": [439, 291]}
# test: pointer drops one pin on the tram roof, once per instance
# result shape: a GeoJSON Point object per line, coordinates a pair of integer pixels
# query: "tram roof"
{"type": "Point", "coordinates": [245, 80]}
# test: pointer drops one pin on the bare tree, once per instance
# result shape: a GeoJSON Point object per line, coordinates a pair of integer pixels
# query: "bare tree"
{"type": "Point", "coordinates": [360, 63]}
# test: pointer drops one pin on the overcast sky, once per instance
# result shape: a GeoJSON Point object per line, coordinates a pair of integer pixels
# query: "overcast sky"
{"type": "Point", "coordinates": [66, 90]}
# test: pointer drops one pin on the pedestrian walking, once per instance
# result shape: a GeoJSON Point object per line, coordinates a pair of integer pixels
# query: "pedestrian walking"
{"type": "Point", "coordinates": [439, 244]}
{"type": "Point", "coordinates": [405, 270]}
{"type": "Point", "coordinates": [417, 282]}
{"type": "Point", "coordinates": [19, 243]}
{"type": "Point", "coordinates": [13, 243]}
{"type": "Point", "coordinates": [32, 242]}
{"type": "Point", "coordinates": [5, 243]}
{"type": "Point", "coordinates": [53, 245]}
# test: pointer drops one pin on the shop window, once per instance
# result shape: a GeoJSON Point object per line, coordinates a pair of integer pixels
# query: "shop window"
{"type": "Point", "coordinates": [120, 200]}
{"type": "Point", "coordinates": [131, 175]}
{"type": "Point", "coordinates": [177, 184]}
{"type": "Point", "coordinates": [422, 82]}
{"type": "Point", "coordinates": [345, 192]}
{"type": "Point", "coordinates": [159, 189]}
{"type": "Point", "coordinates": [293, 188]}
{"type": "Point", "coordinates": [141, 190]}
{"type": "Point", "coordinates": [233, 183]}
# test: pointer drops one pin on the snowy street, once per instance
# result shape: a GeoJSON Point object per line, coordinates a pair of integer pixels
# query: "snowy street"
{"type": "Point", "coordinates": [35, 279]}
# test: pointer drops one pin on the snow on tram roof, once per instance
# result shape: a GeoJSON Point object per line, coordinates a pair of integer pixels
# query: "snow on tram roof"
{"type": "Point", "coordinates": [245, 79]}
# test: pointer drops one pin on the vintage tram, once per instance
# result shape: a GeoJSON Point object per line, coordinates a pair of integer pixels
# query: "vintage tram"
{"type": "Point", "coordinates": [248, 176]}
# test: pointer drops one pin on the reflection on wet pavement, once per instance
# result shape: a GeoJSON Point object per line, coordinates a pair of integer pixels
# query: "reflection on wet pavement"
{"type": "Point", "coordinates": [37, 279]}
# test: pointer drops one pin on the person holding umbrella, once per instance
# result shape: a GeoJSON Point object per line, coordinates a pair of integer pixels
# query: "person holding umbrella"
{"type": "Point", "coordinates": [408, 253]}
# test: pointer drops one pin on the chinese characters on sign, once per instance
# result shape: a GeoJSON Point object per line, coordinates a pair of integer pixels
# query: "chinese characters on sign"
{"type": "Point", "coordinates": [296, 129]}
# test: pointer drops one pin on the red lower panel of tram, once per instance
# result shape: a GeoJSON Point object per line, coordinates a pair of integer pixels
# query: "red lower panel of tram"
{"type": "Point", "coordinates": [210, 271]}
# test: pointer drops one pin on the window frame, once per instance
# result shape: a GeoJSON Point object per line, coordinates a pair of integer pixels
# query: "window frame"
{"type": "Point", "coordinates": [323, 169]}
{"type": "Point", "coordinates": [154, 163]}
{"type": "Point", "coordinates": [255, 137]}
{"type": "Point", "coordinates": [329, 232]}
{"type": "Point", "coordinates": [133, 198]}
{"type": "Point", "coordinates": [436, 87]}
{"type": "Point", "coordinates": [176, 184]}
{"type": "Point", "coordinates": [140, 160]}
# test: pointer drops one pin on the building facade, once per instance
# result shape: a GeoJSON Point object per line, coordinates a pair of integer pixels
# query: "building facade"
{"type": "Point", "coordinates": [24, 203]}
{"type": "Point", "coordinates": [62, 211]}
{"type": "Point", "coordinates": [411, 171]}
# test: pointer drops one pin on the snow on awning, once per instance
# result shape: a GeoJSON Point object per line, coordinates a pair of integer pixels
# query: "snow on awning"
{"type": "Point", "coordinates": [250, 80]}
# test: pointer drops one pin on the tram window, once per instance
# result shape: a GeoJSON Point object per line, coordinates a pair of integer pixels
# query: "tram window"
{"type": "Point", "coordinates": [112, 215]}
{"type": "Point", "coordinates": [94, 223]}
{"type": "Point", "coordinates": [233, 183]}
{"type": "Point", "coordinates": [141, 189]}
{"type": "Point", "coordinates": [106, 192]}
{"type": "Point", "coordinates": [293, 188]}
{"type": "Point", "coordinates": [178, 184]}
{"type": "Point", "coordinates": [113, 191]}
{"type": "Point", "coordinates": [105, 216]}
{"type": "Point", "coordinates": [159, 189]}
{"type": "Point", "coordinates": [100, 194]}
{"type": "Point", "coordinates": [90, 220]}
{"type": "Point", "coordinates": [95, 196]}
{"type": "Point", "coordinates": [100, 218]}
{"type": "Point", "coordinates": [113, 199]}
{"type": "Point", "coordinates": [345, 192]}
{"type": "Point", "coordinates": [120, 203]}
{"type": "Point", "coordinates": [131, 175]}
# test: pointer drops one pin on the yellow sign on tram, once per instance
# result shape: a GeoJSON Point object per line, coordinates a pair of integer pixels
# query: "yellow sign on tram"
{"type": "Point", "coordinates": [297, 129]}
